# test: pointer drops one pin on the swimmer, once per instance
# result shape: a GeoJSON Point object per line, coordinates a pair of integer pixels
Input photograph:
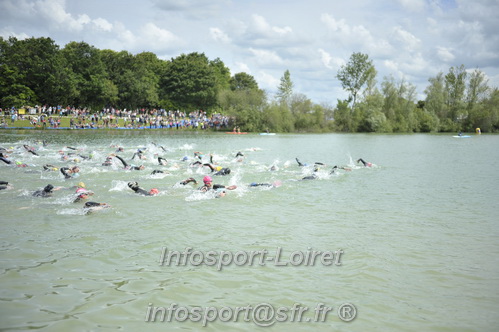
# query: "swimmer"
{"type": "Point", "coordinates": [70, 173]}
{"type": "Point", "coordinates": [135, 187]}
{"type": "Point", "coordinates": [254, 184]}
{"type": "Point", "coordinates": [189, 180]}
{"type": "Point", "coordinates": [157, 171]}
{"type": "Point", "coordinates": [162, 161]}
{"type": "Point", "coordinates": [47, 191]}
{"type": "Point", "coordinates": [139, 154]}
{"type": "Point", "coordinates": [366, 164]}
{"type": "Point", "coordinates": [208, 185]}
{"type": "Point", "coordinates": [126, 166]}
{"type": "Point", "coordinates": [198, 155]}
{"type": "Point", "coordinates": [313, 176]}
{"type": "Point", "coordinates": [30, 149]}
{"type": "Point", "coordinates": [90, 207]}
{"type": "Point", "coordinates": [300, 164]}
{"type": "Point", "coordinates": [239, 154]}
{"type": "Point", "coordinates": [82, 193]}
{"type": "Point", "coordinates": [4, 159]}
{"type": "Point", "coordinates": [85, 157]}
{"type": "Point", "coordinates": [4, 185]}
{"type": "Point", "coordinates": [108, 161]}
{"type": "Point", "coordinates": [333, 170]}
{"type": "Point", "coordinates": [162, 148]}
{"type": "Point", "coordinates": [219, 169]}
{"type": "Point", "coordinates": [49, 167]}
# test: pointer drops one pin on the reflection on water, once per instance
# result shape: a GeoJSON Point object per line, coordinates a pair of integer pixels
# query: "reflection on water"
{"type": "Point", "coordinates": [418, 230]}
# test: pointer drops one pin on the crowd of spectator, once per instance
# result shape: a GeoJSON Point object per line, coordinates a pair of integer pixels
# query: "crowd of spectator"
{"type": "Point", "coordinates": [83, 118]}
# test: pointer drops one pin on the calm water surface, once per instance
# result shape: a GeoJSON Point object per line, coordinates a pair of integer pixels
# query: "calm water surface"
{"type": "Point", "coordinates": [419, 232]}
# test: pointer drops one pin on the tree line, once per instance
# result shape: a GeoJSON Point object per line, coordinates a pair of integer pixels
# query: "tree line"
{"type": "Point", "coordinates": [37, 71]}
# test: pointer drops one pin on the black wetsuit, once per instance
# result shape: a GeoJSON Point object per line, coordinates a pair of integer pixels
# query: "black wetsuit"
{"type": "Point", "coordinates": [189, 180]}
{"type": "Point", "coordinates": [310, 177]}
{"type": "Point", "coordinates": [156, 171]}
{"type": "Point", "coordinates": [66, 172]}
{"type": "Point", "coordinates": [141, 191]}
{"type": "Point", "coordinates": [4, 185]}
{"type": "Point", "coordinates": [4, 159]}
{"type": "Point", "coordinates": [45, 192]}
{"type": "Point", "coordinates": [92, 204]}
{"type": "Point", "coordinates": [299, 163]}
{"type": "Point", "coordinates": [205, 188]}
{"type": "Point", "coordinates": [30, 150]}
{"type": "Point", "coordinates": [162, 161]}
{"type": "Point", "coordinates": [223, 171]}
{"type": "Point", "coordinates": [254, 184]}
{"type": "Point", "coordinates": [137, 154]}
{"type": "Point", "coordinates": [137, 168]}
{"type": "Point", "coordinates": [366, 164]}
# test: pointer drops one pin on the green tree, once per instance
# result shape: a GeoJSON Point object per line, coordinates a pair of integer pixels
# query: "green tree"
{"type": "Point", "coordinates": [92, 85]}
{"type": "Point", "coordinates": [243, 81]}
{"type": "Point", "coordinates": [190, 82]}
{"type": "Point", "coordinates": [285, 89]}
{"type": "Point", "coordinates": [34, 70]}
{"type": "Point", "coordinates": [356, 74]}
{"type": "Point", "coordinates": [455, 86]}
{"type": "Point", "coordinates": [222, 74]}
{"type": "Point", "coordinates": [435, 96]}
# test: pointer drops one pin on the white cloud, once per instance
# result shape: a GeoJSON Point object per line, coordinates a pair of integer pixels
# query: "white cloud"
{"type": "Point", "coordinates": [267, 81]}
{"type": "Point", "coordinates": [9, 32]}
{"type": "Point", "coordinates": [356, 37]}
{"type": "Point", "coordinates": [445, 54]}
{"type": "Point", "coordinates": [103, 24]}
{"type": "Point", "coordinates": [413, 5]}
{"type": "Point", "coordinates": [151, 37]}
{"type": "Point", "coordinates": [265, 57]}
{"type": "Point", "coordinates": [218, 35]}
{"type": "Point", "coordinates": [329, 61]}
{"type": "Point", "coordinates": [410, 42]}
{"type": "Point", "coordinates": [241, 67]}
{"type": "Point", "coordinates": [260, 26]}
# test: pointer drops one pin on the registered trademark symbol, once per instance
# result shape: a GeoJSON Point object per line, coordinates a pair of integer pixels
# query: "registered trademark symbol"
{"type": "Point", "coordinates": [347, 312]}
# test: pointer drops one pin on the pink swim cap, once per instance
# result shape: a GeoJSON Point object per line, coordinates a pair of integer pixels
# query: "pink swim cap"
{"type": "Point", "coordinates": [153, 191]}
{"type": "Point", "coordinates": [207, 179]}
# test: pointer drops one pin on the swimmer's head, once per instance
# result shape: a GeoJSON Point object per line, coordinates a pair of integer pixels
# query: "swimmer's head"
{"type": "Point", "coordinates": [207, 179]}
{"type": "Point", "coordinates": [153, 191]}
{"type": "Point", "coordinates": [185, 158]}
{"type": "Point", "coordinates": [81, 184]}
{"type": "Point", "coordinates": [48, 188]}
{"type": "Point", "coordinates": [75, 169]}
{"type": "Point", "coordinates": [133, 185]}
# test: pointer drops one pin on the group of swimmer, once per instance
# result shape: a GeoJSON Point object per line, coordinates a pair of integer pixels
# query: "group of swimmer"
{"type": "Point", "coordinates": [82, 194]}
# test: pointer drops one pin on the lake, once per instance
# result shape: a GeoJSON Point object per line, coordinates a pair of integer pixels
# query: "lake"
{"type": "Point", "coordinates": [409, 244]}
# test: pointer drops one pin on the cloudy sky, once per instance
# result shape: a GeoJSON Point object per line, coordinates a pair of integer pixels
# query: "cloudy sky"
{"type": "Point", "coordinates": [411, 40]}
